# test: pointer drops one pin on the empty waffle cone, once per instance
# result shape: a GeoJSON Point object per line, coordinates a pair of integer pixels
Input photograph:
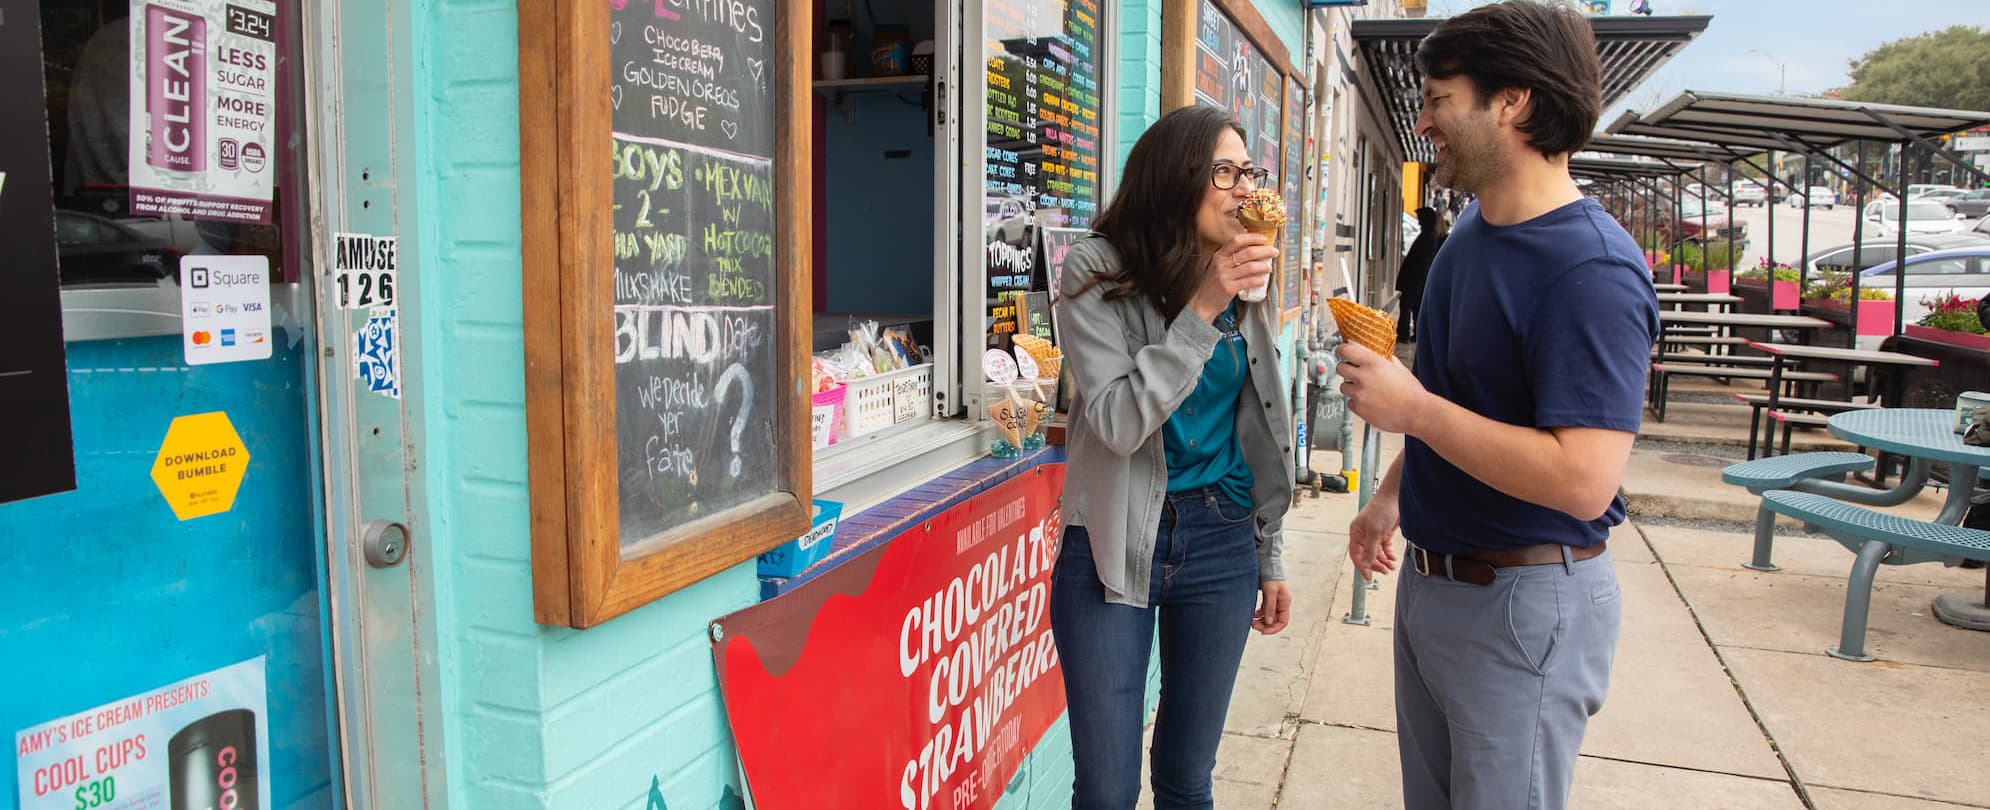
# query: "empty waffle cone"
{"type": "Point", "coordinates": [1364, 325]}
{"type": "Point", "coordinates": [1047, 368]}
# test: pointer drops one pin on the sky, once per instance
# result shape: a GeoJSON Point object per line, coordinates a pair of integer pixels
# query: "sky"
{"type": "Point", "coordinates": [1813, 40]}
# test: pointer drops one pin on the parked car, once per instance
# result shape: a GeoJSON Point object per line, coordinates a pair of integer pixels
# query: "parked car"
{"type": "Point", "coordinates": [1008, 222]}
{"type": "Point", "coordinates": [1915, 190]}
{"type": "Point", "coordinates": [1923, 216]}
{"type": "Point", "coordinates": [1873, 253]}
{"type": "Point", "coordinates": [1963, 271]}
{"type": "Point", "coordinates": [1970, 203]}
{"type": "Point", "coordinates": [93, 251]}
{"type": "Point", "coordinates": [1941, 195]}
{"type": "Point", "coordinates": [1691, 228]}
{"type": "Point", "coordinates": [1818, 197]}
{"type": "Point", "coordinates": [1749, 192]}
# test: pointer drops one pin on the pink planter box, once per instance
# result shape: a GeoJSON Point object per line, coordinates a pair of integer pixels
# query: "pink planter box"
{"type": "Point", "coordinates": [1783, 295]}
{"type": "Point", "coordinates": [1720, 282]}
{"type": "Point", "coordinates": [1978, 342]}
{"type": "Point", "coordinates": [1875, 318]}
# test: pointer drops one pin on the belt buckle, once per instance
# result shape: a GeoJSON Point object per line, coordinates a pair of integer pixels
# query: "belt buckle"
{"type": "Point", "coordinates": [1420, 560]}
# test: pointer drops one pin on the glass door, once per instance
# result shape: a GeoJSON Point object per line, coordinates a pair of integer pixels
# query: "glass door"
{"type": "Point", "coordinates": [164, 621]}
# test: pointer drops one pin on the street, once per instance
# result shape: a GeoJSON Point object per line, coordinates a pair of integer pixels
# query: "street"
{"type": "Point", "coordinates": [1827, 228]}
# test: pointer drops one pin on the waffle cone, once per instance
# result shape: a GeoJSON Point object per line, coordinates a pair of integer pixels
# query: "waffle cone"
{"type": "Point", "coordinates": [1369, 327]}
{"type": "Point", "coordinates": [1047, 368]}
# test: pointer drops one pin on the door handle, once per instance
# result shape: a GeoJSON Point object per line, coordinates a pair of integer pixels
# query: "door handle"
{"type": "Point", "coordinates": [385, 543]}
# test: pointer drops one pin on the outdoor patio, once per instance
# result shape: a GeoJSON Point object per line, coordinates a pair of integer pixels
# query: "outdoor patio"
{"type": "Point", "coordinates": [1722, 695]}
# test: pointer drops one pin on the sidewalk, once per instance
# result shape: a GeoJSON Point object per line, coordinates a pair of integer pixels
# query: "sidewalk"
{"type": "Point", "coordinates": [1718, 670]}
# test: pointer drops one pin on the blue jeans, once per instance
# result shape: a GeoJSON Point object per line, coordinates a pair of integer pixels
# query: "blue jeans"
{"type": "Point", "coordinates": [1203, 591]}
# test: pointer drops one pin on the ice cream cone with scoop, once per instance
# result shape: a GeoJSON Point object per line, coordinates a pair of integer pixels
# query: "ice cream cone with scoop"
{"type": "Point", "coordinates": [1263, 213]}
{"type": "Point", "coordinates": [1371, 328]}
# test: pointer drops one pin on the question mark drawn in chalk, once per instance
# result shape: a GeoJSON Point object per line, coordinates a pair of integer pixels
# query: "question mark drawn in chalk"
{"type": "Point", "coordinates": [735, 372]}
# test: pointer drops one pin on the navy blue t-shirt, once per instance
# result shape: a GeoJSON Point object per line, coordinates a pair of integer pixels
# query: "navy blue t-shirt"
{"type": "Point", "coordinates": [1544, 323]}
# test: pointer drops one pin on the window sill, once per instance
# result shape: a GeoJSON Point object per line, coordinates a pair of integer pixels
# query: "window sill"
{"type": "Point", "coordinates": [915, 489]}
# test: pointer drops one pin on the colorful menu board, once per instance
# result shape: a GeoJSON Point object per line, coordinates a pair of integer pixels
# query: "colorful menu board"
{"type": "Point", "coordinates": [1042, 151]}
{"type": "Point", "coordinates": [692, 98]}
{"type": "Point", "coordinates": [1233, 74]}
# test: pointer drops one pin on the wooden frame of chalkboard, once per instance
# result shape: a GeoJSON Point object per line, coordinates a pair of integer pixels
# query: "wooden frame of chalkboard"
{"type": "Point", "coordinates": [737, 194]}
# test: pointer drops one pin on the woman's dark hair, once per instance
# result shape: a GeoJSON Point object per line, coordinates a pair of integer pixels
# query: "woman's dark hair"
{"type": "Point", "coordinates": [1546, 48]}
{"type": "Point", "coordinates": [1151, 219]}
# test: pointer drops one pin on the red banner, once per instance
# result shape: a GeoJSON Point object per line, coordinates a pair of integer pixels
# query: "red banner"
{"type": "Point", "coordinates": [917, 675]}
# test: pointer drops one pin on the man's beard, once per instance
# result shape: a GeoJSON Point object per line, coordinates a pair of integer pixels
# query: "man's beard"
{"type": "Point", "coordinates": [1468, 164]}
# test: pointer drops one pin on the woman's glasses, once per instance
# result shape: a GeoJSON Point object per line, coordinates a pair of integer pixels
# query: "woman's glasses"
{"type": "Point", "coordinates": [1225, 175]}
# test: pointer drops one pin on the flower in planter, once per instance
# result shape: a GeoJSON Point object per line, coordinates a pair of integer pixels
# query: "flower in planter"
{"type": "Point", "coordinates": [1953, 313]}
{"type": "Point", "coordinates": [1764, 270]}
{"type": "Point", "coordinates": [1844, 293]}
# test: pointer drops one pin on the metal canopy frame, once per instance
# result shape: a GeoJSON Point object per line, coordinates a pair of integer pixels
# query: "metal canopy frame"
{"type": "Point", "coordinates": [1631, 48]}
{"type": "Point", "coordinates": [1743, 125]}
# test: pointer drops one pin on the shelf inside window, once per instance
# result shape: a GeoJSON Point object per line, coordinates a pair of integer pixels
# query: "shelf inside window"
{"type": "Point", "coordinates": [839, 91]}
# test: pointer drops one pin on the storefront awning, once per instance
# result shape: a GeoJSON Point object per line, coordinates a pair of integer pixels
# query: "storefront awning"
{"type": "Point", "coordinates": [1631, 49]}
{"type": "Point", "coordinates": [1681, 152]}
{"type": "Point", "coordinates": [1788, 123]}
{"type": "Point", "coordinates": [1596, 168]}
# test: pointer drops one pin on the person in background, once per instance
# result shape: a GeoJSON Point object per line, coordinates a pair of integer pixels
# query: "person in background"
{"type": "Point", "coordinates": [1180, 468]}
{"type": "Point", "coordinates": [1415, 270]}
{"type": "Point", "coordinates": [1518, 421]}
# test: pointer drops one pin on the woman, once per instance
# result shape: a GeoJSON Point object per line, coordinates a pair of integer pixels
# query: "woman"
{"type": "Point", "coordinates": [1415, 271]}
{"type": "Point", "coordinates": [1179, 469]}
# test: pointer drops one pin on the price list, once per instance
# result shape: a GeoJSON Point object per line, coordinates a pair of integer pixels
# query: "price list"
{"type": "Point", "coordinates": [1042, 148]}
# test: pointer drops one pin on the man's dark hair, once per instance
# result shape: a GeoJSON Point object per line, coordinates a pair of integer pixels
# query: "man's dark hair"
{"type": "Point", "coordinates": [1544, 47]}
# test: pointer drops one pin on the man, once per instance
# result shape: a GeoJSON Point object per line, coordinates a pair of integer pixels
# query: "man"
{"type": "Point", "coordinates": [1537, 322]}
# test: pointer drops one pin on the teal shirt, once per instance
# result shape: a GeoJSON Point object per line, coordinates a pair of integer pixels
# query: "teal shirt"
{"type": "Point", "coordinates": [1201, 436]}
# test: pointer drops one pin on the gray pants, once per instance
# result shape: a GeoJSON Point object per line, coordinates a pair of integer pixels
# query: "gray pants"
{"type": "Point", "coordinates": [1496, 683]}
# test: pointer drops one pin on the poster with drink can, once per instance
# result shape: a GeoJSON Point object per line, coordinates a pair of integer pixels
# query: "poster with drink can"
{"type": "Point", "coordinates": [203, 109]}
{"type": "Point", "coordinates": [190, 745]}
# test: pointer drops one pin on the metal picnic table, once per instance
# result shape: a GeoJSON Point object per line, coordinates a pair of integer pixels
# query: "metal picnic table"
{"type": "Point", "coordinates": [1782, 353]}
{"type": "Point", "coordinates": [1670, 288]}
{"type": "Point", "coordinates": [1721, 299]}
{"type": "Point", "coordinates": [1926, 436]}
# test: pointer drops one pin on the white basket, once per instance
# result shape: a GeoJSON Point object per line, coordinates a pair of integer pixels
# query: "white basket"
{"type": "Point", "coordinates": [874, 403]}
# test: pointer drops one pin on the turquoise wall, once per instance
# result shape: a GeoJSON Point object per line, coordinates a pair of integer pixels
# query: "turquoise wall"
{"type": "Point", "coordinates": [536, 717]}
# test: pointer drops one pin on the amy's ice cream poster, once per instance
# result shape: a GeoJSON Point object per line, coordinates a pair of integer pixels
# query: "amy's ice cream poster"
{"type": "Point", "coordinates": [191, 745]}
{"type": "Point", "coordinates": [203, 108]}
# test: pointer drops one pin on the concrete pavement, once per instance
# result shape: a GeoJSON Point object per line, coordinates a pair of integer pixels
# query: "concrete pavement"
{"type": "Point", "coordinates": [1720, 697]}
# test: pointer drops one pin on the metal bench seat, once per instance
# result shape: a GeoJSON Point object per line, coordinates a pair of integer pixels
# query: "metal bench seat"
{"type": "Point", "coordinates": [1877, 538]}
{"type": "Point", "coordinates": [1782, 472]}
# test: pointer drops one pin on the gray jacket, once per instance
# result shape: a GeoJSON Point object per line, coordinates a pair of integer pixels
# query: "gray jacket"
{"type": "Point", "coordinates": [1132, 370]}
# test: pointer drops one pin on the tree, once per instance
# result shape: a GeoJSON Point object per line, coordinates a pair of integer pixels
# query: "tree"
{"type": "Point", "coordinates": [1948, 68]}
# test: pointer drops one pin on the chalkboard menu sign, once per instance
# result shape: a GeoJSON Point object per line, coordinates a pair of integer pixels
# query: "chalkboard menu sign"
{"type": "Point", "coordinates": [1293, 177]}
{"type": "Point", "coordinates": [1042, 151]}
{"type": "Point", "coordinates": [694, 260]}
{"type": "Point", "coordinates": [664, 305]}
{"type": "Point", "coordinates": [34, 380]}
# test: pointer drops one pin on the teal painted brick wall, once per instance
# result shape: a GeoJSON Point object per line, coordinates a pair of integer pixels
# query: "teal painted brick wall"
{"type": "Point", "coordinates": [538, 717]}
{"type": "Point", "coordinates": [1288, 22]}
{"type": "Point", "coordinates": [1139, 72]}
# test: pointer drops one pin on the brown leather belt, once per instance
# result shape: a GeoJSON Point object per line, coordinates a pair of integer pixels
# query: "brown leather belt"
{"type": "Point", "coordinates": [1481, 568]}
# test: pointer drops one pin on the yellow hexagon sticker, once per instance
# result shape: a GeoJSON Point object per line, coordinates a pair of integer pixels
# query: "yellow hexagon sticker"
{"type": "Point", "coordinates": [200, 465]}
